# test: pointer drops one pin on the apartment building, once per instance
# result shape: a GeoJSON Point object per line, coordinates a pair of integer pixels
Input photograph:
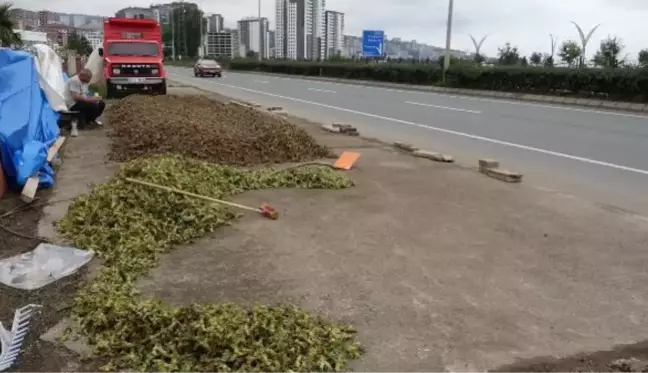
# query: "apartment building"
{"type": "Point", "coordinates": [333, 34]}
{"type": "Point", "coordinates": [220, 44]}
{"type": "Point", "coordinates": [93, 32]}
{"type": "Point", "coordinates": [136, 12]}
{"type": "Point", "coordinates": [299, 29]}
{"type": "Point", "coordinates": [215, 22]}
{"type": "Point", "coordinates": [254, 36]}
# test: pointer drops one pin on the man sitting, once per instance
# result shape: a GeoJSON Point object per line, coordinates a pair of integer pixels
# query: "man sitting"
{"type": "Point", "coordinates": [90, 107]}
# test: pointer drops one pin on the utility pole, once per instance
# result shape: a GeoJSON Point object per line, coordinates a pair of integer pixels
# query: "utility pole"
{"type": "Point", "coordinates": [261, 34]}
{"type": "Point", "coordinates": [446, 61]}
{"type": "Point", "coordinates": [173, 38]}
{"type": "Point", "coordinates": [202, 34]}
{"type": "Point", "coordinates": [184, 30]}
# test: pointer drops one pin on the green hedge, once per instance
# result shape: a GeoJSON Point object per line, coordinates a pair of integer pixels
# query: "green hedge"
{"type": "Point", "coordinates": [617, 84]}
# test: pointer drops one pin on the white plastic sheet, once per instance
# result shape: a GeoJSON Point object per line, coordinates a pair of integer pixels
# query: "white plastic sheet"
{"type": "Point", "coordinates": [41, 266]}
{"type": "Point", "coordinates": [50, 70]}
{"type": "Point", "coordinates": [95, 64]}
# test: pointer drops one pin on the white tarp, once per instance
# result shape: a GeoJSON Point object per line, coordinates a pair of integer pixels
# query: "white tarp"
{"type": "Point", "coordinates": [50, 69]}
{"type": "Point", "coordinates": [41, 266]}
{"type": "Point", "coordinates": [95, 64]}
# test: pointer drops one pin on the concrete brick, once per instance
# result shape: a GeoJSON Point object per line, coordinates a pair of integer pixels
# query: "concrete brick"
{"type": "Point", "coordinates": [486, 163]}
{"type": "Point", "coordinates": [569, 100]}
{"type": "Point", "coordinates": [437, 157]}
{"type": "Point", "coordinates": [406, 147]}
{"type": "Point", "coordinates": [280, 113]}
{"type": "Point", "coordinates": [637, 107]}
{"type": "Point", "coordinates": [503, 175]}
{"type": "Point", "coordinates": [346, 129]}
{"type": "Point", "coordinates": [342, 125]}
{"type": "Point", "coordinates": [330, 128]}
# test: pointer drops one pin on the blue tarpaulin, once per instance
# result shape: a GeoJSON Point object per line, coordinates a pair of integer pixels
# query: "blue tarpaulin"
{"type": "Point", "coordinates": [28, 125]}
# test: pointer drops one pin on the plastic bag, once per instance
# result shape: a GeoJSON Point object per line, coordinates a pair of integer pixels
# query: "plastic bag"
{"type": "Point", "coordinates": [42, 266]}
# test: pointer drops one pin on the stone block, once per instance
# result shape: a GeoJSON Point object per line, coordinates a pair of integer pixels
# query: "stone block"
{"type": "Point", "coordinates": [437, 157]}
{"type": "Point", "coordinates": [406, 147]}
{"type": "Point", "coordinates": [330, 128]}
{"type": "Point", "coordinates": [503, 175]}
{"type": "Point", "coordinates": [487, 163]}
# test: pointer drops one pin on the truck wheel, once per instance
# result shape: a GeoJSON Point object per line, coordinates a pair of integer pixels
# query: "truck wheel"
{"type": "Point", "coordinates": [162, 89]}
{"type": "Point", "coordinates": [111, 91]}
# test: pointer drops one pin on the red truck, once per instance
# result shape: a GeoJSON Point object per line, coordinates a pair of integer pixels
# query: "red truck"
{"type": "Point", "coordinates": [133, 57]}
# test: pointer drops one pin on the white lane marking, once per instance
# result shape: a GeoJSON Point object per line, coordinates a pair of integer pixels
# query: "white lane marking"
{"type": "Point", "coordinates": [321, 90]}
{"type": "Point", "coordinates": [443, 107]}
{"type": "Point", "coordinates": [457, 133]}
{"type": "Point", "coordinates": [262, 81]}
{"type": "Point", "coordinates": [494, 100]}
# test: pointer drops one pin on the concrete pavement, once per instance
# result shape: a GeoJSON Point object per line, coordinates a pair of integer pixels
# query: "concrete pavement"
{"type": "Point", "coordinates": [594, 154]}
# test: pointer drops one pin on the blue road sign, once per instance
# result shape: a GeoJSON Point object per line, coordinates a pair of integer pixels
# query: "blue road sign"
{"type": "Point", "coordinates": [373, 42]}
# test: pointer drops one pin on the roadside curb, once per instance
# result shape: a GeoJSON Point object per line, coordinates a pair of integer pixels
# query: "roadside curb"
{"type": "Point", "coordinates": [490, 168]}
{"type": "Point", "coordinates": [525, 97]}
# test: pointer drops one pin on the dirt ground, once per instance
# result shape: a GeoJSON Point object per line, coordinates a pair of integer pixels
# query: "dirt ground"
{"type": "Point", "coordinates": [438, 267]}
{"type": "Point", "coordinates": [81, 157]}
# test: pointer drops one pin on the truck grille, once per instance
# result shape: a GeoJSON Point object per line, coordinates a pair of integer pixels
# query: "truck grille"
{"type": "Point", "coordinates": [135, 69]}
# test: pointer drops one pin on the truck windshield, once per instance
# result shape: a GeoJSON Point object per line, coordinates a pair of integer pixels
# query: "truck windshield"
{"type": "Point", "coordinates": [133, 49]}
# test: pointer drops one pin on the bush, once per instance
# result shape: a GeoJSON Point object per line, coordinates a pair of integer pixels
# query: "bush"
{"type": "Point", "coordinates": [614, 84]}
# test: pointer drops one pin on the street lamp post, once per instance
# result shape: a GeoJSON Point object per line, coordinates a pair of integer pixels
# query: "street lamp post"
{"type": "Point", "coordinates": [446, 60]}
{"type": "Point", "coordinates": [584, 40]}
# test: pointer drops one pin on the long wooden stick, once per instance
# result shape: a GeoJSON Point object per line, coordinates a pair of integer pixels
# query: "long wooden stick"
{"type": "Point", "coordinates": [194, 195]}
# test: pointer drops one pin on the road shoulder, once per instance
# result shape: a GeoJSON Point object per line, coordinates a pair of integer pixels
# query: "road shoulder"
{"type": "Point", "coordinates": [439, 267]}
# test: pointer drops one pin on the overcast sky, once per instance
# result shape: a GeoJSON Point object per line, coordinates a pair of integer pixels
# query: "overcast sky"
{"type": "Point", "coordinates": [524, 23]}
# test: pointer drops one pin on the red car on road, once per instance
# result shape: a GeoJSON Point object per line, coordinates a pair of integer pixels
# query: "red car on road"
{"type": "Point", "coordinates": [207, 67]}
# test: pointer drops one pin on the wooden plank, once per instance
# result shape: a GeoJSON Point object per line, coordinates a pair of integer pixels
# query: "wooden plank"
{"type": "Point", "coordinates": [29, 190]}
{"type": "Point", "coordinates": [51, 153]}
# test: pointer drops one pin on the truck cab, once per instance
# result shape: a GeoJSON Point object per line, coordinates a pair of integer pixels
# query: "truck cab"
{"type": "Point", "coordinates": [133, 57]}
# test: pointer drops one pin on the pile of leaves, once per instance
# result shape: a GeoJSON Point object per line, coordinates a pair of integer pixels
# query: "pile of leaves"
{"type": "Point", "coordinates": [205, 129]}
{"type": "Point", "coordinates": [129, 226]}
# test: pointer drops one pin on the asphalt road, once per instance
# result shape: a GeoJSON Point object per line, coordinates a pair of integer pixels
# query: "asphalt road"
{"type": "Point", "coordinates": [598, 155]}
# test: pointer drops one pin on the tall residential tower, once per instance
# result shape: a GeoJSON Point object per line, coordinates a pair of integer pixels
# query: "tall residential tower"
{"type": "Point", "coordinates": [299, 29]}
{"type": "Point", "coordinates": [333, 34]}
